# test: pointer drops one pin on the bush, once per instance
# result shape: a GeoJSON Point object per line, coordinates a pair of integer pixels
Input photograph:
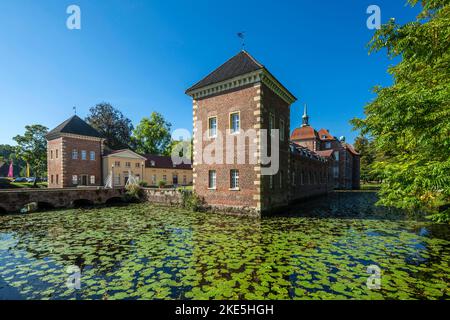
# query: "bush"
{"type": "Point", "coordinates": [190, 200]}
{"type": "Point", "coordinates": [133, 193]}
{"type": "Point", "coordinates": [143, 184]}
{"type": "Point", "coordinates": [161, 183]}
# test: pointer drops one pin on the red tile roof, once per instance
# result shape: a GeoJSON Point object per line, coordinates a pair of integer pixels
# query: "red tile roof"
{"type": "Point", "coordinates": [325, 153]}
{"type": "Point", "coordinates": [301, 133]}
{"type": "Point", "coordinates": [326, 133]}
{"type": "Point", "coordinates": [351, 149]}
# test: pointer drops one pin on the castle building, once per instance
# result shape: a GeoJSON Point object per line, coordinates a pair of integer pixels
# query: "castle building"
{"type": "Point", "coordinates": [346, 164]}
{"type": "Point", "coordinates": [77, 157]}
{"type": "Point", "coordinates": [239, 96]}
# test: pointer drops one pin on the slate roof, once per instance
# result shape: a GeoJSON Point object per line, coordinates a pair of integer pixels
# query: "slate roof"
{"type": "Point", "coordinates": [74, 125]}
{"type": "Point", "coordinates": [240, 64]}
{"type": "Point", "coordinates": [163, 162]}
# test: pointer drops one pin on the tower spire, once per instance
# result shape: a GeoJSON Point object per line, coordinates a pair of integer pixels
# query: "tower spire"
{"type": "Point", "coordinates": [305, 117]}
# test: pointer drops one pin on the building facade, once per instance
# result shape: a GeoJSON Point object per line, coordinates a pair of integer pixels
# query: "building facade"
{"type": "Point", "coordinates": [236, 99]}
{"type": "Point", "coordinates": [77, 158]}
{"type": "Point", "coordinates": [345, 167]}
{"type": "Point", "coordinates": [74, 155]}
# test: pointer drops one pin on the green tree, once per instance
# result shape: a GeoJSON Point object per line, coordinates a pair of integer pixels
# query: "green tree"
{"type": "Point", "coordinates": [367, 150]}
{"type": "Point", "coordinates": [32, 148]}
{"type": "Point", "coordinates": [152, 135]}
{"type": "Point", "coordinates": [112, 124]}
{"type": "Point", "coordinates": [410, 120]}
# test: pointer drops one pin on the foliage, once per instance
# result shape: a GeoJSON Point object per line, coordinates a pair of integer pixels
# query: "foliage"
{"type": "Point", "coordinates": [367, 150]}
{"type": "Point", "coordinates": [112, 125]}
{"type": "Point", "coordinates": [32, 148]}
{"type": "Point", "coordinates": [152, 135]}
{"type": "Point", "coordinates": [410, 120]}
{"type": "Point", "coordinates": [7, 154]}
{"type": "Point", "coordinates": [190, 200]}
{"type": "Point", "coordinates": [143, 184]}
{"type": "Point", "coordinates": [143, 251]}
{"type": "Point", "coordinates": [133, 193]}
{"type": "Point", "coordinates": [161, 183]}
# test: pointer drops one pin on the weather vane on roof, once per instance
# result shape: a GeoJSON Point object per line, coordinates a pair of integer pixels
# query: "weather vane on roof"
{"type": "Point", "coordinates": [75, 110]}
{"type": "Point", "coordinates": [241, 35]}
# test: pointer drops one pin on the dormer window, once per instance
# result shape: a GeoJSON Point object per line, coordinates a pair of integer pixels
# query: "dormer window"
{"type": "Point", "coordinates": [327, 145]}
{"type": "Point", "coordinates": [324, 136]}
{"type": "Point", "coordinates": [152, 163]}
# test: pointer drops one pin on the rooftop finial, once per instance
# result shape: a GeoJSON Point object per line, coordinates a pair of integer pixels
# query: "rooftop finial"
{"type": "Point", "coordinates": [75, 110]}
{"type": "Point", "coordinates": [241, 35]}
{"type": "Point", "coordinates": [305, 117]}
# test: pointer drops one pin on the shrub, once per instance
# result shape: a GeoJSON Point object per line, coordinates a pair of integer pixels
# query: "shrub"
{"type": "Point", "coordinates": [161, 183]}
{"type": "Point", "coordinates": [133, 193]}
{"type": "Point", "coordinates": [143, 184]}
{"type": "Point", "coordinates": [190, 200]}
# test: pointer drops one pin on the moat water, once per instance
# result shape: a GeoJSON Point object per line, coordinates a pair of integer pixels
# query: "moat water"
{"type": "Point", "coordinates": [327, 248]}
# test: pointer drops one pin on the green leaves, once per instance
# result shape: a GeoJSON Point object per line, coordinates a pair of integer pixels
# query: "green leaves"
{"type": "Point", "coordinates": [150, 252]}
{"type": "Point", "coordinates": [410, 120]}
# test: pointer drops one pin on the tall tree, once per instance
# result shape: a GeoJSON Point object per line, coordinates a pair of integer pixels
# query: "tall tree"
{"type": "Point", "coordinates": [410, 120]}
{"type": "Point", "coordinates": [152, 135]}
{"type": "Point", "coordinates": [32, 148]}
{"type": "Point", "coordinates": [112, 124]}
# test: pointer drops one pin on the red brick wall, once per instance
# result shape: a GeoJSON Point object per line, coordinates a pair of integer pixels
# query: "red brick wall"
{"type": "Point", "coordinates": [277, 195]}
{"type": "Point", "coordinates": [242, 100]}
{"type": "Point", "coordinates": [81, 167]}
{"type": "Point", "coordinates": [54, 165]}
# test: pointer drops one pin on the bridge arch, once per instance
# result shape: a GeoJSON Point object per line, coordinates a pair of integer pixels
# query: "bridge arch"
{"type": "Point", "coordinates": [44, 205]}
{"type": "Point", "coordinates": [80, 203]}
{"type": "Point", "coordinates": [3, 210]}
{"type": "Point", "coordinates": [114, 200]}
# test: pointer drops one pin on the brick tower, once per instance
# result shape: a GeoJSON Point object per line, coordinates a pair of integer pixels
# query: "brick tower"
{"type": "Point", "coordinates": [74, 155]}
{"type": "Point", "coordinates": [239, 96]}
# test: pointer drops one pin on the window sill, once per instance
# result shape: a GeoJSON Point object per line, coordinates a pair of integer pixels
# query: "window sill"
{"type": "Point", "coordinates": [213, 189]}
{"type": "Point", "coordinates": [234, 189]}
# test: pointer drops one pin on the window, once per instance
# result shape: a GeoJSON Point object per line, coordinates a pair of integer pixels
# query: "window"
{"type": "Point", "coordinates": [51, 154]}
{"type": "Point", "coordinates": [234, 122]}
{"type": "Point", "coordinates": [117, 179]}
{"type": "Point", "coordinates": [336, 155]}
{"type": "Point", "coordinates": [212, 179]}
{"type": "Point", "coordinates": [137, 165]}
{"type": "Point", "coordinates": [138, 177]}
{"type": "Point", "coordinates": [184, 180]}
{"type": "Point", "coordinates": [212, 127]}
{"type": "Point", "coordinates": [56, 153]}
{"type": "Point", "coordinates": [174, 179]}
{"type": "Point", "coordinates": [234, 179]}
{"type": "Point", "coordinates": [128, 164]}
{"type": "Point", "coordinates": [117, 163]}
{"type": "Point", "coordinates": [327, 145]}
{"type": "Point", "coordinates": [74, 179]}
{"type": "Point", "coordinates": [281, 129]}
{"type": "Point", "coordinates": [74, 154]}
{"type": "Point", "coordinates": [271, 123]}
{"type": "Point", "coordinates": [92, 180]}
{"type": "Point", "coordinates": [335, 171]}
{"type": "Point", "coordinates": [51, 179]}
{"type": "Point", "coordinates": [152, 163]}
{"type": "Point", "coordinates": [154, 179]}
{"type": "Point", "coordinates": [83, 154]}
{"type": "Point", "coordinates": [92, 155]}
{"type": "Point", "coordinates": [324, 136]}
{"type": "Point", "coordinates": [57, 179]}
{"type": "Point", "coordinates": [271, 181]}
{"type": "Point", "coordinates": [164, 178]}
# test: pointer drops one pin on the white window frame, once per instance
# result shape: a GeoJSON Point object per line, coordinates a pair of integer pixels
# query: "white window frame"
{"type": "Point", "coordinates": [75, 179]}
{"type": "Point", "coordinates": [212, 179]}
{"type": "Point", "coordinates": [234, 179]}
{"type": "Point", "coordinates": [83, 155]}
{"type": "Point", "coordinates": [92, 155]}
{"type": "Point", "coordinates": [92, 179]}
{"type": "Point", "coordinates": [232, 129]}
{"type": "Point", "coordinates": [210, 129]}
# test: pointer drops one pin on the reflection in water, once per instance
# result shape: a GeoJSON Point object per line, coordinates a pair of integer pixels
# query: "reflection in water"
{"type": "Point", "coordinates": [317, 250]}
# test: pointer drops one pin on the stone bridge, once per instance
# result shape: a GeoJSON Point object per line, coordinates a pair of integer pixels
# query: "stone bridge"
{"type": "Point", "coordinates": [15, 200]}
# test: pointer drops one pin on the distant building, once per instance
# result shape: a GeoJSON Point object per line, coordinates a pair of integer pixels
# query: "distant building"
{"type": "Point", "coordinates": [76, 156]}
{"type": "Point", "coordinates": [346, 163]}
{"type": "Point", "coordinates": [238, 96]}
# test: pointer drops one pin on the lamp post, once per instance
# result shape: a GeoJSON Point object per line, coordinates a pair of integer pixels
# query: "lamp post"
{"type": "Point", "coordinates": [112, 176]}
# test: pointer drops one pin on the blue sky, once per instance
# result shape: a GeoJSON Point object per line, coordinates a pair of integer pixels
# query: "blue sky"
{"type": "Point", "coordinates": [141, 55]}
